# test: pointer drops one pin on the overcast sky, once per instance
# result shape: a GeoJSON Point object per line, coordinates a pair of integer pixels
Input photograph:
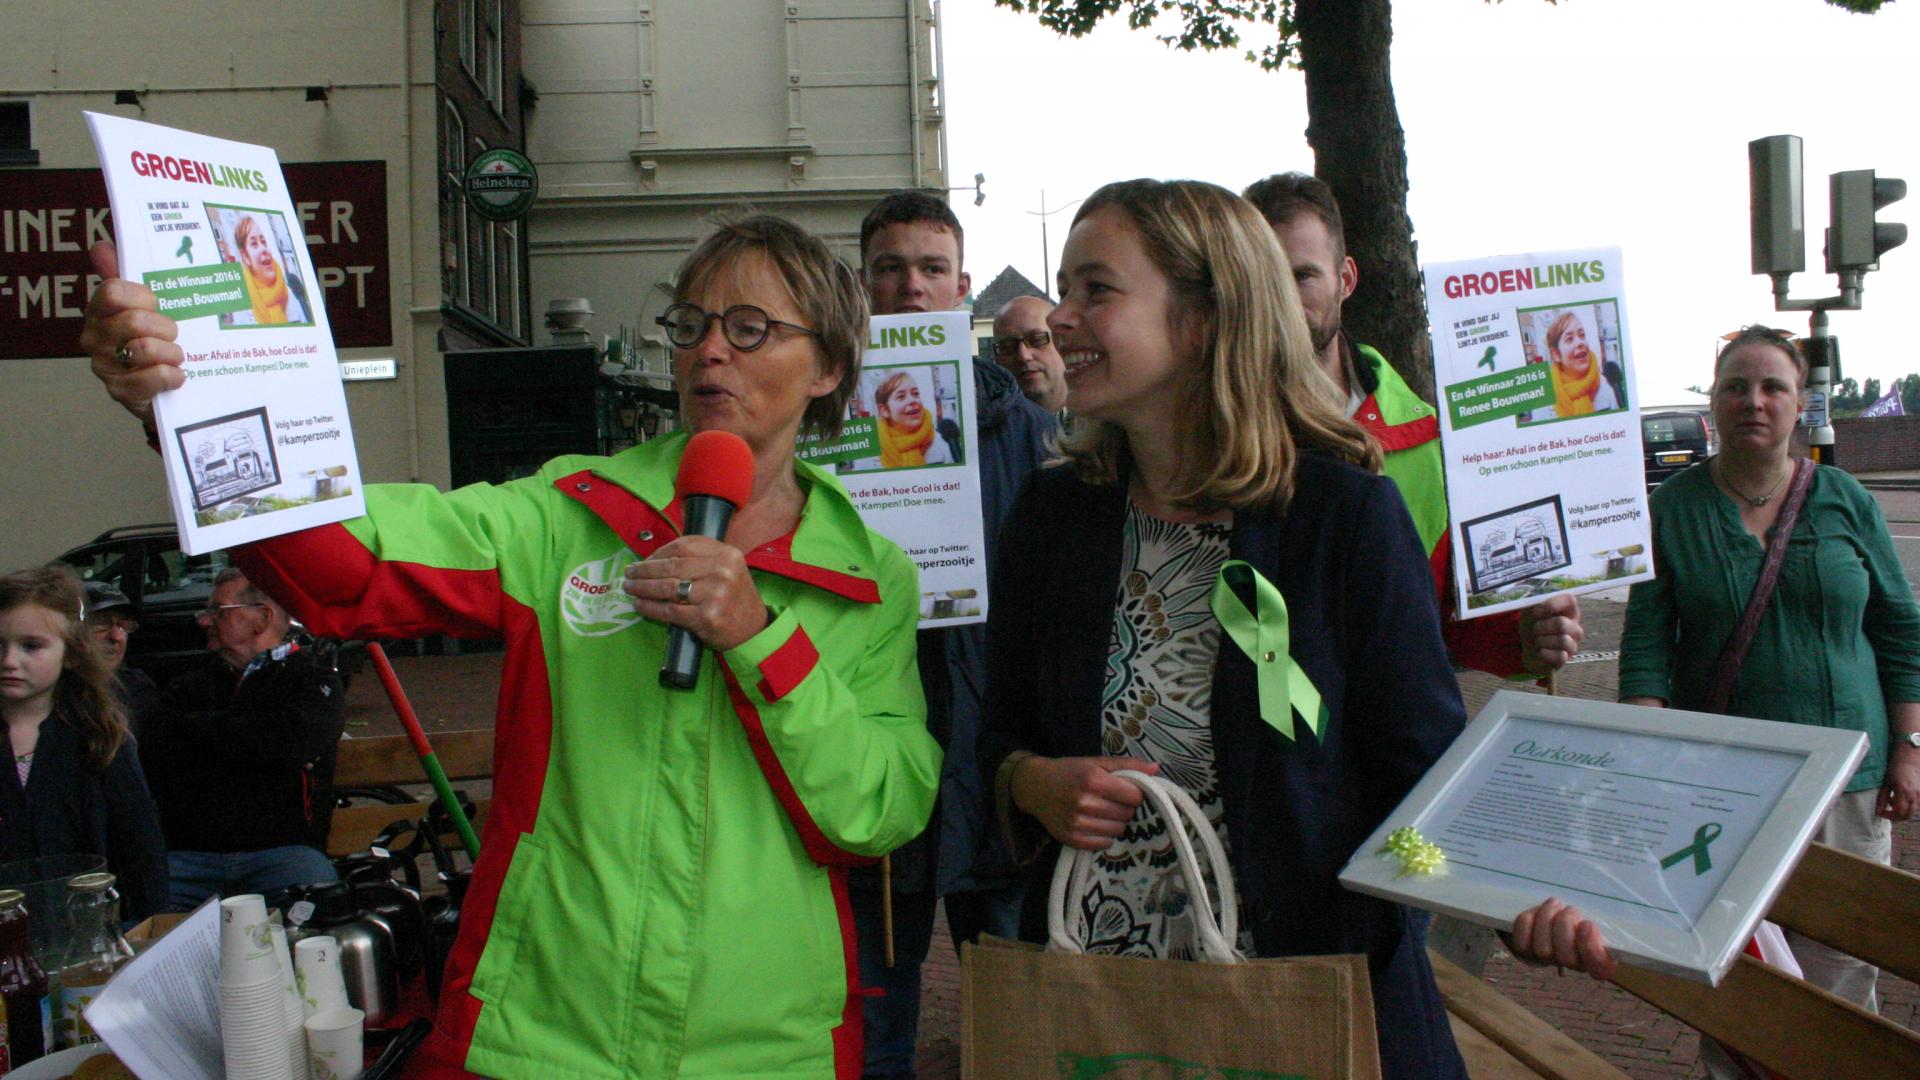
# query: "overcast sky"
{"type": "Point", "coordinates": [1530, 127]}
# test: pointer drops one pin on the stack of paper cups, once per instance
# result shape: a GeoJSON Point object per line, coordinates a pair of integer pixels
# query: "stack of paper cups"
{"type": "Point", "coordinates": [293, 1030]}
{"type": "Point", "coordinates": [316, 964]}
{"type": "Point", "coordinates": [253, 1014]}
{"type": "Point", "coordinates": [333, 1043]}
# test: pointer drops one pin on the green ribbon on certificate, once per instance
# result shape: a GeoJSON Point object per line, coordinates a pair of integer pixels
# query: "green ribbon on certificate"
{"type": "Point", "coordinates": [1261, 633]}
{"type": "Point", "coordinates": [1702, 836]}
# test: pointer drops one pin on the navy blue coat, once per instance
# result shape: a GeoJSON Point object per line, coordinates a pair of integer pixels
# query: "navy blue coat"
{"type": "Point", "coordinates": [1345, 557]}
{"type": "Point", "coordinates": [71, 808]}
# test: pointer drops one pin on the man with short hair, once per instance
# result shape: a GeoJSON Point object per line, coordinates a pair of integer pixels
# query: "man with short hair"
{"type": "Point", "coordinates": [109, 618]}
{"type": "Point", "coordinates": [1024, 346]}
{"type": "Point", "coordinates": [911, 248]}
{"type": "Point", "coordinates": [241, 755]}
{"type": "Point", "coordinates": [1306, 219]}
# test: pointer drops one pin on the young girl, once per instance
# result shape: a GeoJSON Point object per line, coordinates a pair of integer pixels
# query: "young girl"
{"type": "Point", "coordinates": [75, 786]}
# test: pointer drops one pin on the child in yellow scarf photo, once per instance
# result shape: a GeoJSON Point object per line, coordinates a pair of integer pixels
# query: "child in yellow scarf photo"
{"type": "Point", "coordinates": [266, 279]}
{"type": "Point", "coordinates": [1580, 387]}
{"type": "Point", "coordinates": [906, 427]}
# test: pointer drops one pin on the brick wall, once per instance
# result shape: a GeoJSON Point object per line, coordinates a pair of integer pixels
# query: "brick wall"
{"type": "Point", "coordinates": [1881, 444]}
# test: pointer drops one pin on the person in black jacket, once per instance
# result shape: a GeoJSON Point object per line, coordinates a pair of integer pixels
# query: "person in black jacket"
{"type": "Point", "coordinates": [75, 787]}
{"type": "Point", "coordinates": [911, 252]}
{"type": "Point", "coordinates": [241, 755]}
{"type": "Point", "coordinates": [110, 620]}
{"type": "Point", "coordinates": [1210, 473]}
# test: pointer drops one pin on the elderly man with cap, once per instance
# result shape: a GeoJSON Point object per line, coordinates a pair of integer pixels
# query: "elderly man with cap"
{"type": "Point", "coordinates": [109, 619]}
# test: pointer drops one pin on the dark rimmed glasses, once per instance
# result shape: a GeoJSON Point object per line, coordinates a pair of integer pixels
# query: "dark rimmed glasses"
{"type": "Point", "coordinates": [1004, 347]}
{"type": "Point", "coordinates": [745, 326]}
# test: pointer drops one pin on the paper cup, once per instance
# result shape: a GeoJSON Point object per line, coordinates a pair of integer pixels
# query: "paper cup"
{"type": "Point", "coordinates": [253, 1030]}
{"type": "Point", "coordinates": [333, 1044]}
{"type": "Point", "coordinates": [292, 1014]}
{"type": "Point", "coordinates": [246, 941]}
{"type": "Point", "coordinates": [316, 964]}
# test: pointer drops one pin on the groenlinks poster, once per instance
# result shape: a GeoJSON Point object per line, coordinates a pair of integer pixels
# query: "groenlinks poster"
{"type": "Point", "coordinates": [1533, 373]}
{"type": "Point", "coordinates": [908, 456]}
{"type": "Point", "coordinates": [257, 442]}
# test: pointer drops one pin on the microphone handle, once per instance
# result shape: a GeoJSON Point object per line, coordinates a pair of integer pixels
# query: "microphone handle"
{"type": "Point", "coordinates": [705, 515]}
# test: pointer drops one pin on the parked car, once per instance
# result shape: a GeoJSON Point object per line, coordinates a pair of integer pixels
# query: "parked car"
{"type": "Point", "coordinates": [1673, 441]}
{"type": "Point", "coordinates": [168, 589]}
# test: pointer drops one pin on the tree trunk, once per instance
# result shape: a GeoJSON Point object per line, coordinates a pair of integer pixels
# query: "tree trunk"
{"type": "Point", "coordinates": [1361, 152]}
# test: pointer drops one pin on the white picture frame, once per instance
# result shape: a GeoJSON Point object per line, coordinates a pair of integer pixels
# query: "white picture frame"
{"type": "Point", "coordinates": [1589, 812]}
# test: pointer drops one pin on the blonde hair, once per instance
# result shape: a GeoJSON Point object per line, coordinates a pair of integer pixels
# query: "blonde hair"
{"type": "Point", "coordinates": [1259, 395]}
{"type": "Point", "coordinates": [84, 692]}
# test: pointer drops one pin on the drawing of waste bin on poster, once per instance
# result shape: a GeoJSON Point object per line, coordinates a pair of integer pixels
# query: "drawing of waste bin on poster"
{"type": "Point", "coordinates": [907, 456]}
{"type": "Point", "coordinates": [1533, 371]}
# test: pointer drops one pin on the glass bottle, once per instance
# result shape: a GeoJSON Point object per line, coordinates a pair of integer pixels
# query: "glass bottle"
{"type": "Point", "coordinates": [23, 986]}
{"type": "Point", "coordinates": [97, 951]}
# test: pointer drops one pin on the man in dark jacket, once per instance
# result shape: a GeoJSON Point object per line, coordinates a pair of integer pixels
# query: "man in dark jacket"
{"type": "Point", "coordinates": [110, 621]}
{"type": "Point", "coordinates": [911, 247]}
{"type": "Point", "coordinates": [241, 755]}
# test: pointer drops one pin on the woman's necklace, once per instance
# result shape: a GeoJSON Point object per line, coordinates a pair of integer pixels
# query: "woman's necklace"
{"type": "Point", "coordinates": [1751, 500]}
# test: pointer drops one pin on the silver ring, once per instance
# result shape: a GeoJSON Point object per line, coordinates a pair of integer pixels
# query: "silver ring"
{"type": "Point", "coordinates": [683, 592]}
{"type": "Point", "coordinates": [124, 356]}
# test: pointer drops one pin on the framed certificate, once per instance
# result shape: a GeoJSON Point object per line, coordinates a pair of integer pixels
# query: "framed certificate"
{"type": "Point", "coordinates": [1672, 830]}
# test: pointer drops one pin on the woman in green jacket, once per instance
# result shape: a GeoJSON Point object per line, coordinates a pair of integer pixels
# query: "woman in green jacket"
{"type": "Point", "coordinates": [1838, 645]}
{"type": "Point", "coordinates": [662, 887]}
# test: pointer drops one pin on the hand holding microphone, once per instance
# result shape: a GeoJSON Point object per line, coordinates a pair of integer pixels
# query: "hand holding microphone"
{"type": "Point", "coordinates": [698, 585]}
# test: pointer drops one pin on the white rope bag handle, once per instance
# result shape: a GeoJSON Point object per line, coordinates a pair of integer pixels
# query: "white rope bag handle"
{"type": "Point", "coordinates": [1218, 928]}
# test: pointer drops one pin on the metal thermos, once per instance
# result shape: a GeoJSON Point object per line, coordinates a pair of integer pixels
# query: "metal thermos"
{"type": "Point", "coordinates": [367, 962]}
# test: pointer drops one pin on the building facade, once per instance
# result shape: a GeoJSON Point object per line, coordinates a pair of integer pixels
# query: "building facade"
{"type": "Point", "coordinates": [371, 105]}
{"type": "Point", "coordinates": [655, 114]}
{"type": "Point", "coordinates": [644, 117]}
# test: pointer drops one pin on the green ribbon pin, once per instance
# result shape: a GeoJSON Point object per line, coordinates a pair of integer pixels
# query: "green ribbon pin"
{"type": "Point", "coordinates": [1262, 634]}
{"type": "Point", "coordinates": [1702, 836]}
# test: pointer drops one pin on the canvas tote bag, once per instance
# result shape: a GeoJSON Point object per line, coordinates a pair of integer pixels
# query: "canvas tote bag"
{"type": "Point", "coordinates": [1030, 1013]}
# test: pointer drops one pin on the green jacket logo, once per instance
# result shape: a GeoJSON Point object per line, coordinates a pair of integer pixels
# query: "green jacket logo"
{"type": "Point", "coordinates": [591, 600]}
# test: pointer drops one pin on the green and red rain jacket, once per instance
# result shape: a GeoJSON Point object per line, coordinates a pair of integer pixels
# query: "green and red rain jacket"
{"type": "Point", "coordinates": [1409, 435]}
{"type": "Point", "coordinates": [662, 886]}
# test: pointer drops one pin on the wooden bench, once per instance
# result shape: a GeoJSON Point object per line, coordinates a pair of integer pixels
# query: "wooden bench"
{"type": "Point", "coordinates": [1783, 1023]}
{"type": "Point", "coordinates": [389, 761]}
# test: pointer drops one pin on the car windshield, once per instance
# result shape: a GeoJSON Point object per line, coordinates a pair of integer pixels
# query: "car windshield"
{"type": "Point", "coordinates": [1667, 430]}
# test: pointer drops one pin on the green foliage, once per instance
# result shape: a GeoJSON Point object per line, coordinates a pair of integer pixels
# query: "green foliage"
{"type": "Point", "coordinates": [1218, 24]}
{"type": "Point", "coordinates": [1203, 24]}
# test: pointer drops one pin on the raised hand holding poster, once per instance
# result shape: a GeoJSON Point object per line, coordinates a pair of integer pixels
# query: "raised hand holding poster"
{"type": "Point", "coordinates": [258, 442]}
{"type": "Point", "coordinates": [1540, 429]}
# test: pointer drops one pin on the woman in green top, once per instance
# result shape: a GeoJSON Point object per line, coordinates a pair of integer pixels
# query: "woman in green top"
{"type": "Point", "coordinates": [1839, 645]}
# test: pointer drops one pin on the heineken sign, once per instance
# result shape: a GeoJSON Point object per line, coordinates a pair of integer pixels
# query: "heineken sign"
{"type": "Point", "coordinates": [501, 185]}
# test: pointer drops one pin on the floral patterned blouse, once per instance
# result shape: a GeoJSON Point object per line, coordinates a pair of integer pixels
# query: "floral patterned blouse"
{"type": "Point", "coordinates": [1157, 706]}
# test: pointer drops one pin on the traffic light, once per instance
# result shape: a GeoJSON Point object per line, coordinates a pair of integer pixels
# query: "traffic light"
{"type": "Point", "coordinates": [1855, 241]}
{"type": "Point", "coordinates": [1779, 237]}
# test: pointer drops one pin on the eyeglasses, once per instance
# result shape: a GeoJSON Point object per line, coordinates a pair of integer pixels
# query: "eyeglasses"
{"type": "Point", "coordinates": [104, 624]}
{"type": "Point", "coordinates": [1004, 347]}
{"type": "Point", "coordinates": [746, 327]}
{"type": "Point", "coordinates": [214, 611]}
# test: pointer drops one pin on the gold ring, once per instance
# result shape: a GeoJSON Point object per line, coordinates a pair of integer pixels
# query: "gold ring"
{"type": "Point", "coordinates": [124, 356]}
{"type": "Point", "coordinates": [683, 592]}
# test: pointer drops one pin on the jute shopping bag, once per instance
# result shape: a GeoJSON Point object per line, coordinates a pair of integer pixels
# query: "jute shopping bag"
{"type": "Point", "coordinates": [1057, 1013]}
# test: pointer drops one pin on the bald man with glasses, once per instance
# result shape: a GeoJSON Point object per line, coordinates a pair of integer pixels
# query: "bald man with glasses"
{"type": "Point", "coordinates": [1024, 346]}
